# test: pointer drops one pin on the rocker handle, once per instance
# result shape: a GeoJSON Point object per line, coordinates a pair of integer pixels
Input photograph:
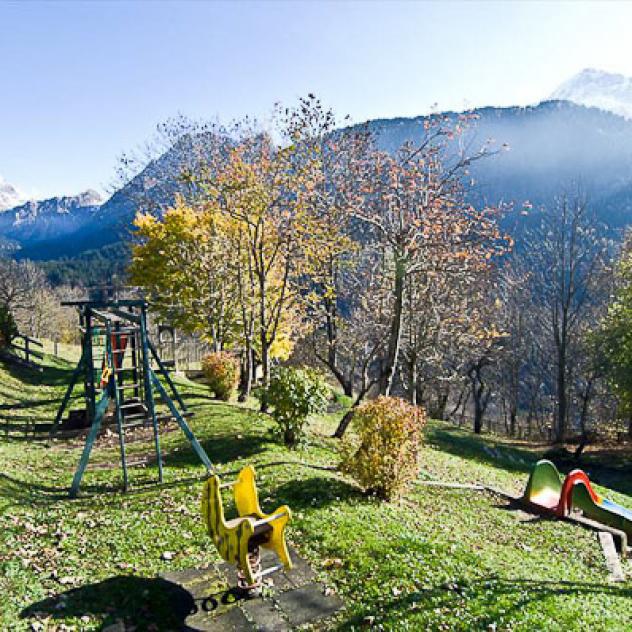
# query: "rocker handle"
{"type": "Point", "coordinates": [271, 518]}
{"type": "Point", "coordinates": [269, 570]}
{"type": "Point", "coordinates": [230, 484]}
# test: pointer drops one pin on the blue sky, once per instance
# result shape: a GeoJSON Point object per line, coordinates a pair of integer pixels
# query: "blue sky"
{"type": "Point", "coordinates": [82, 82]}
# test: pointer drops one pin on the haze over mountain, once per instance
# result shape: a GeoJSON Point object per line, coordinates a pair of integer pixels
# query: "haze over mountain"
{"type": "Point", "coordinates": [596, 88]}
{"type": "Point", "coordinates": [552, 146]}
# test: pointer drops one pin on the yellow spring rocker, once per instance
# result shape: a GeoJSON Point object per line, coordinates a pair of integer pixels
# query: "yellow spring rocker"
{"type": "Point", "coordinates": [238, 540]}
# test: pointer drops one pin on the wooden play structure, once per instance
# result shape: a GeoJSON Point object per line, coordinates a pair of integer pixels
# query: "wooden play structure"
{"type": "Point", "coordinates": [238, 539]}
{"type": "Point", "coordinates": [122, 374]}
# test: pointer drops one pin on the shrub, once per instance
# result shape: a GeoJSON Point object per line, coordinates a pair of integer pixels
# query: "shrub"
{"type": "Point", "coordinates": [295, 394]}
{"type": "Point", "coordinates": [221, 370]}
{"type": "Point", "coordinates": [384, 457]}
{"type": "Point", "coordinates": [8, 328]}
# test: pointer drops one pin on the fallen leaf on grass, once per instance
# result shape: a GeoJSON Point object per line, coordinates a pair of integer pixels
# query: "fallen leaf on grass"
{"type": "Point", "coordinates": [333, 562]}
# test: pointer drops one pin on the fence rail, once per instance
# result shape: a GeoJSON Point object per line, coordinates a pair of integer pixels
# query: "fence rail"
{"type": "Point", "coordinates": [25, 353]}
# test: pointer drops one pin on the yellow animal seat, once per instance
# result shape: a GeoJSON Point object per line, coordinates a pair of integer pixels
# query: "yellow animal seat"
{"type": "Point", "coordinates": [238, 537]}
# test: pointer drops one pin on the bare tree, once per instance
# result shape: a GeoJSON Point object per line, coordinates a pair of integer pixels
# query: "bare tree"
{"type": "Point", "coordinates": [19, 284]}
{"type": "Point", "coordinates": [565, 254]}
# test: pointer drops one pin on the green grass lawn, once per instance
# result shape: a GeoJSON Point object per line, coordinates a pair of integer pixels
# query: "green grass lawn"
{"type": "Point", "coordinates": [442, 559]}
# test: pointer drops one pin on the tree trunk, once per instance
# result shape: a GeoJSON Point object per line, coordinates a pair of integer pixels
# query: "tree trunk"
{"type": "Point", "coordinates": [348, 416]}
{"type": "Point", "coordinates": [246, 373]}
{"type": "Point", "coordinates": [458, 404]}
{"type": "Point", "coordinates": [395, 334]}
{"type": "Point", "coordinates": [586, 397]}
{"type": "Point", "coordinates": [562, 404]}
{"type": "Point", "coordinates": [481, 397]}
{"type": "Point", "coordinates": [438, 411]}
{"type": "Point", "coordinates": [513, 415]}
{"type": "Point", "coordinates": [412, 380]}
{"type": "Point", "coordinates": [265, 370]}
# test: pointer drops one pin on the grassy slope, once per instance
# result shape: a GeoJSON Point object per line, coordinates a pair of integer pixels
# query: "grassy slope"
{"type": "Point", "coordinates": [442, 559]}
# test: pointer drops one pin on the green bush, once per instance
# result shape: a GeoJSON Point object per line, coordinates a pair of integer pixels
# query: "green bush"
{"type": "Point", "coordinates": [384, 457]}
{"type": "Point", "coordinates": [8, 328]}
{"type": "Point", "coordinates": [295, 394]}
{"type": "Point", "coordinates": [221, 370]}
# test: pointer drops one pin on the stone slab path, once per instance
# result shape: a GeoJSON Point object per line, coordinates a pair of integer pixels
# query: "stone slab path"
{"type": "Point", "coordinates": [290, 599]}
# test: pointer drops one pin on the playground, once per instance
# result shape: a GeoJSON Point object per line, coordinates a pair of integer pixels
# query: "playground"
{"type": "Point", "coordinates": [454, 557]}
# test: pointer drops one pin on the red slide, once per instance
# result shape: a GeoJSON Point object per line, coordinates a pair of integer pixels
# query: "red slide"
{"type": "Point", "coordinates": [574, 477]}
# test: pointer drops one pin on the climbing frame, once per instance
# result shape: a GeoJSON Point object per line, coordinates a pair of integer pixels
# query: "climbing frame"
{"type": "Point", "coordinates": [121, 373]}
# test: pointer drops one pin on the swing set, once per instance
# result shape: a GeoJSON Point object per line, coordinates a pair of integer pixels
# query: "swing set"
{"type": "Point", "coordinates": [122, 373]}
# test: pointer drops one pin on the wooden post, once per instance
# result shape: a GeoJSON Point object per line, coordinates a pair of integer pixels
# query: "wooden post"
{"type": "Point", "coordinates": [149, 395]}
{"type": "Point", "coordinates": [89, 379]}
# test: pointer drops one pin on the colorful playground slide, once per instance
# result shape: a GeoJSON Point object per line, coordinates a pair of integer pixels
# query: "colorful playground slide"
{"type": "Point", "coordinates": [547, 491]}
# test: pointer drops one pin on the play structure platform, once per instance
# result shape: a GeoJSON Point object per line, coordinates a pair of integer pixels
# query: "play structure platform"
{"type": "Point", "coordinates": [546, 491]}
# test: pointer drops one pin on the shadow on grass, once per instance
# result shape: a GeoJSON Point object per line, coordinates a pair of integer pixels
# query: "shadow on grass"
{"type": "Point", "coordinates": [137, 601]}
{"type": "Point", "coordinates": [220, 450]}
{"type": "Point", "coordinates": [494, 598]}
{"type": "Point", "coordinates": [56, 372]}
{"type": "Point", "coordinates": [316, 492]}
{"type": "Point", "coordinates": [21, 492]}
{"type": "Point", "coordinates": [455, 441]}
{"type": "Point", "coordinates": [603, 469]}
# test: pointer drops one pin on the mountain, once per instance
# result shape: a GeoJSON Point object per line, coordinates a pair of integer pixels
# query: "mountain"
{"type": "Point", "coordinates": [91, 227]}
{"type": "Point", "coordinates": [9, 196]}
{"type": "Point", "coordinates": [34, 223]}
{"type": "Point", "coordinates": [553, 146]}
{"type": "Point", "coordinates": [596, 88]}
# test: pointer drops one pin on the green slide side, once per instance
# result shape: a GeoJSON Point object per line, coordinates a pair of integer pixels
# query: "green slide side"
{"type": "Point", "coordinates": [606, 512]}
{"type": "Point", "coordinates": [544, 486]}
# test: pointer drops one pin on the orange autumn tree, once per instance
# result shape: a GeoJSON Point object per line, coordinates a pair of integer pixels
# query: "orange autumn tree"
{"type": "Point", "coordinates": [415, 213]}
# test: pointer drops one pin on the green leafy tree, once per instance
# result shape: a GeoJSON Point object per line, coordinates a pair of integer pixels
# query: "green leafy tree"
{"type": "Point", "coordinates": [613, 339]}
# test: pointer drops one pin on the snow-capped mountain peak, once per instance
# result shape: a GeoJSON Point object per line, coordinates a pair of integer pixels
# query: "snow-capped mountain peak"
{"type": "Point", "coordinates": [596, 88]}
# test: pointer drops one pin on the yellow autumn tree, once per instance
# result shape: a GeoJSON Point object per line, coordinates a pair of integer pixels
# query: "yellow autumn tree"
{"type": "Point", "coordinates": [183, 260]}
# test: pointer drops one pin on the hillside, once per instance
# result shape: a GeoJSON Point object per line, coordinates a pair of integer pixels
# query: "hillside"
{"type": "Point", "coordinates": [442, 559]}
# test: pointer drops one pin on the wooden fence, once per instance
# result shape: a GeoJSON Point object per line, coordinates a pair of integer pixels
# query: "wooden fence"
{"type": "Point", "coordinates": [27, 351]}
{"type": "Point", "coordinates": [183, 355]}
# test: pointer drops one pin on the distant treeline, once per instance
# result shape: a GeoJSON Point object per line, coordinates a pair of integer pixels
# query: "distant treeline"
{"type": "Point", "coordinates": [93, 267]}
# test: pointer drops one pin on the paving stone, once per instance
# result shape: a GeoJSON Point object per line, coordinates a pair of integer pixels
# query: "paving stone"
{"type": "Point", "coordinates": [265, 616]}
{"type": "Point", "coordinates": [302, 573]}
{"type": "Point", "coordinates": [191, 575]}
{"type": "Point", "coordinates": [234, 620]}
{"type": "Point", "coordinates": [203, 589]}
{"type": "Point", "coordinates": [308, 603]}
{"type": "Point", "coordinates": [229, 572]}
{"type": "Point", "coordinates": [278, 582]}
